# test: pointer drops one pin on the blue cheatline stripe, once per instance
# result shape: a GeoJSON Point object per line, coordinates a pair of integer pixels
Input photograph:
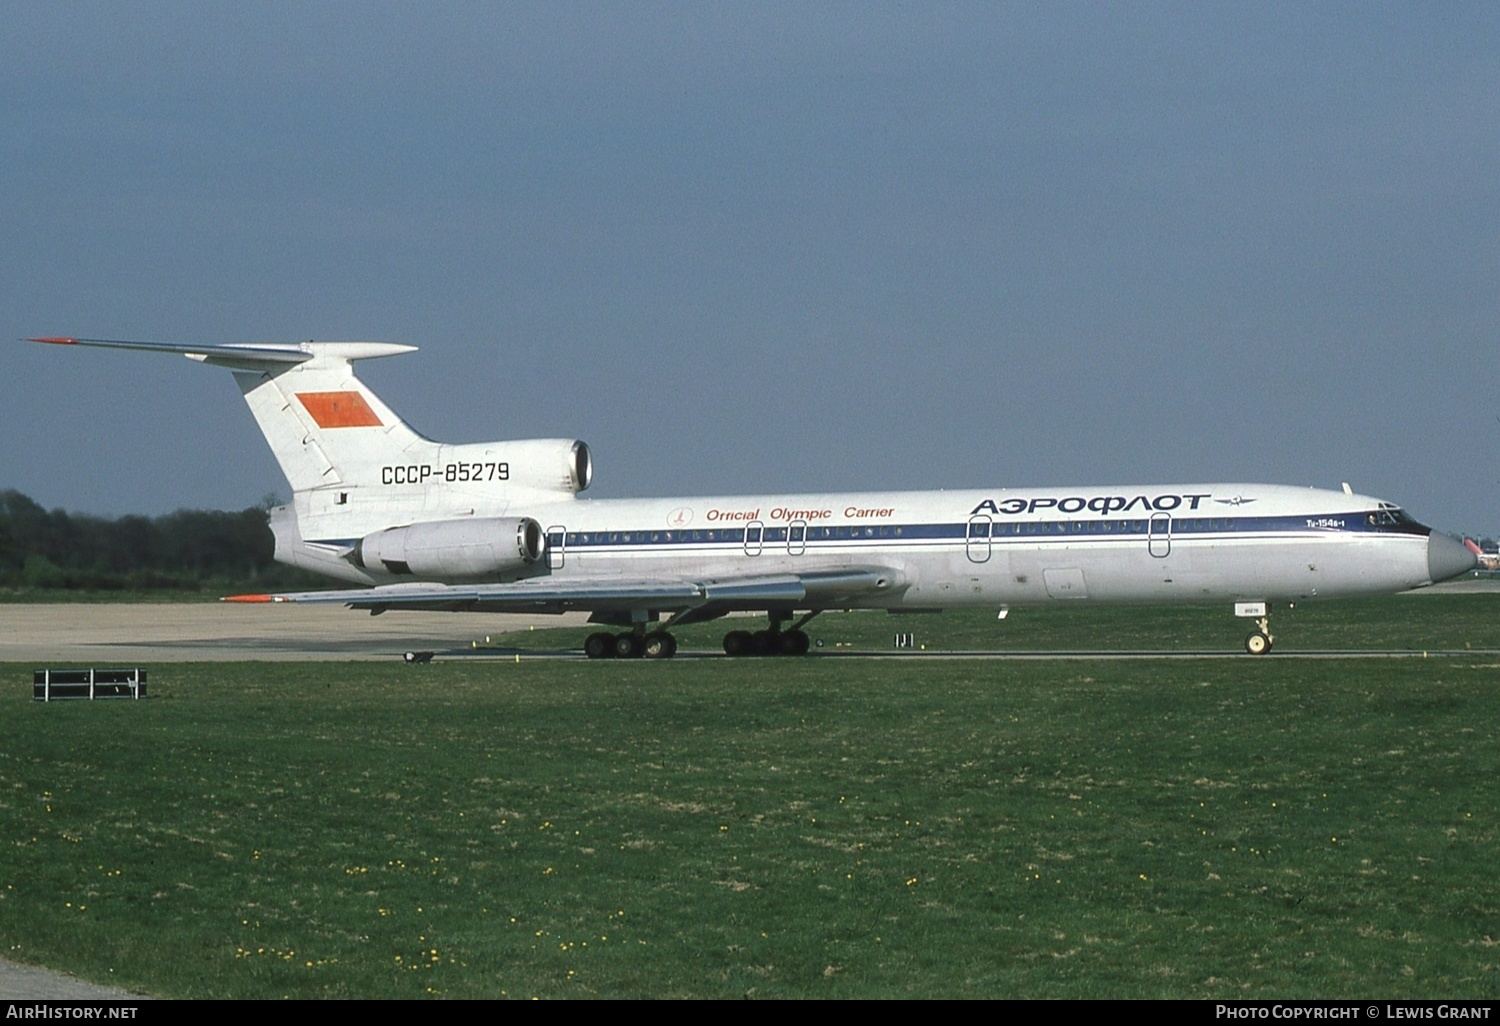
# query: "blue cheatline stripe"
{"type": "Point", "coordinates": [1000, 532]}
{"type": "Point", "coordinates": [1081, 530]}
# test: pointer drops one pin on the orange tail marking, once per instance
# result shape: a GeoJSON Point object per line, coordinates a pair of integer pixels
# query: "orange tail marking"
{"type": "Point", "coordinates": [338, 409]}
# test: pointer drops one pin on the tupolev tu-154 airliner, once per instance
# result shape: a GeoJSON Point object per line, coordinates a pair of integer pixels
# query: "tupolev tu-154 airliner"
{"type": "Point", "coordinates": [499, 527]}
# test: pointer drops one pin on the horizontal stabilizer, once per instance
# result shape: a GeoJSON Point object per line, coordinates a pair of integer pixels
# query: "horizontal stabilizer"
{"type": "Point", "coordinates": [245, 355]}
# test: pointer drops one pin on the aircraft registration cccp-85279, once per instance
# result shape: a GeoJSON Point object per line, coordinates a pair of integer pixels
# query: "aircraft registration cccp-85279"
{"type": "Point", "coordinates": [498, 527]}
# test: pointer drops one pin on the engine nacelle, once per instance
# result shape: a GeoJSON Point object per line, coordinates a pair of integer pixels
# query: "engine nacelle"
{"type": "Point", "coordinates": [549, 464]}
{"type": "Point", "coordinates": [454, 548]}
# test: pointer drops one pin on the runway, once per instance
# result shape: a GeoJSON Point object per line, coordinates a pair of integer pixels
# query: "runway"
{"type": "Point", "coordinates": [127, 634]}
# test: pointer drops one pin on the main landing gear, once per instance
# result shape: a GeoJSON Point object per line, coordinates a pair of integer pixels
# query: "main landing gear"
{"type": "Point", "coordinates": [630, 645]}
{"type": "Point", "coordinates": [760, 643]}
{"type": "Point", "coordinates": [774, 641]}
{"type": "Point", "coordinates": [660, 644]}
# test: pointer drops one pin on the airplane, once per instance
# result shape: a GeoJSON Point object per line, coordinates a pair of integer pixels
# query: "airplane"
{"type": "Point", "coordinates": [499, 527]}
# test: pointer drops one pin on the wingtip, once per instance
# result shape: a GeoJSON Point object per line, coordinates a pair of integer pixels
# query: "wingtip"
{"type": "Point", "coordinates": [55, 340]}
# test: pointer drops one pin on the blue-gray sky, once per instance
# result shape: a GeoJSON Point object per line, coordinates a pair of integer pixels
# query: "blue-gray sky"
{"type": "Point", "coordinates": [764, 247]}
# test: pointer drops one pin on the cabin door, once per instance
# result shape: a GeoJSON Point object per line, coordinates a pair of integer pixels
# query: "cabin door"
{"type": "Point", "coordinates": [1159, 535]}
{"type": "Point", "coordinates": [977, 539]}
{"type": "Point", "coordinates": [796, 538]}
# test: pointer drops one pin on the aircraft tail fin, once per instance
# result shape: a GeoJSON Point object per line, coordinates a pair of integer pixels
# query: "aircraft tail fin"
{"type": "Point", "coordinates": [324, 425]}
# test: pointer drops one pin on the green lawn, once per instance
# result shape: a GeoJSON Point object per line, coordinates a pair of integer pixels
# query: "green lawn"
{"type": "Point", "coordinates": [779, 827]}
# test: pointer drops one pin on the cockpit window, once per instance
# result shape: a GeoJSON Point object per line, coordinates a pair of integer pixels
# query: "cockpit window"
{"type": "Point", "coordinates": [1392, 518]}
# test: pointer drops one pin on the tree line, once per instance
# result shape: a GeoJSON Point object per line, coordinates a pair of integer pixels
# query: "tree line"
{"type": "Point", "coordinates": [189, 550]}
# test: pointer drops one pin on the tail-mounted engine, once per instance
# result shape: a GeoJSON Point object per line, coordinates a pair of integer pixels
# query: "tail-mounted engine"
{"type": "Point", "coordinates": [481, 547]}
{"type": "Point", "coordinates": [548, 464]}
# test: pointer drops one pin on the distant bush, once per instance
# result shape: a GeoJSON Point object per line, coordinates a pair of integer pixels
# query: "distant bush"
{"type": "Point", "coordinates": [185, 551]}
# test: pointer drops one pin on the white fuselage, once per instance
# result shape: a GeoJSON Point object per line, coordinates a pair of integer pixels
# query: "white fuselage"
{"type": "Point", "coordinates": [1174, 543]}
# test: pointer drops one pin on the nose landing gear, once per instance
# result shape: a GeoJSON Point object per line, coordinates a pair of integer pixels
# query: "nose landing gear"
{"type": "Point", "coordinates": [1259, 642]}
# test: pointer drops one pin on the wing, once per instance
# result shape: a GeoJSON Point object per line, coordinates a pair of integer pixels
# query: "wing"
{"type": "Point", "coordinates": [691, 600]}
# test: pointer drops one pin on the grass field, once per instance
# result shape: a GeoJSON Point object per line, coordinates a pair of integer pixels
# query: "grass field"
{"type": "Point", "coordinates": [781, 828]}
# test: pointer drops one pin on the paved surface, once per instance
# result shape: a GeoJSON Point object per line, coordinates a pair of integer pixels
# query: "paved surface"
{"type": "Point", "coordinates": [29, 983]}
{"type": "Point", "coordinates": [129, 633]}
{"type": "Point", "coordinates": [1461, 586]}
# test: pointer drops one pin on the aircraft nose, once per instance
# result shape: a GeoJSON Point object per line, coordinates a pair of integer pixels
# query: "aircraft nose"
{"type": "Point", "coordinates": [1447, 557]}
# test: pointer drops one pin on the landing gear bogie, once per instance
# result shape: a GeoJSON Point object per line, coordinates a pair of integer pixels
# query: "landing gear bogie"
{"type": "Point", "coordinates": [660, 645]}
{"type": "Point", "coordinates": [772, 642]}
{"type": "Point", "coordinates": [739, 643]}
{"type": "Point", "coordinates": [599, 645]}
{"type": "Point", "coordinates": [630, 645]}
{"type": "Point", "coordinates": [793, 643]}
